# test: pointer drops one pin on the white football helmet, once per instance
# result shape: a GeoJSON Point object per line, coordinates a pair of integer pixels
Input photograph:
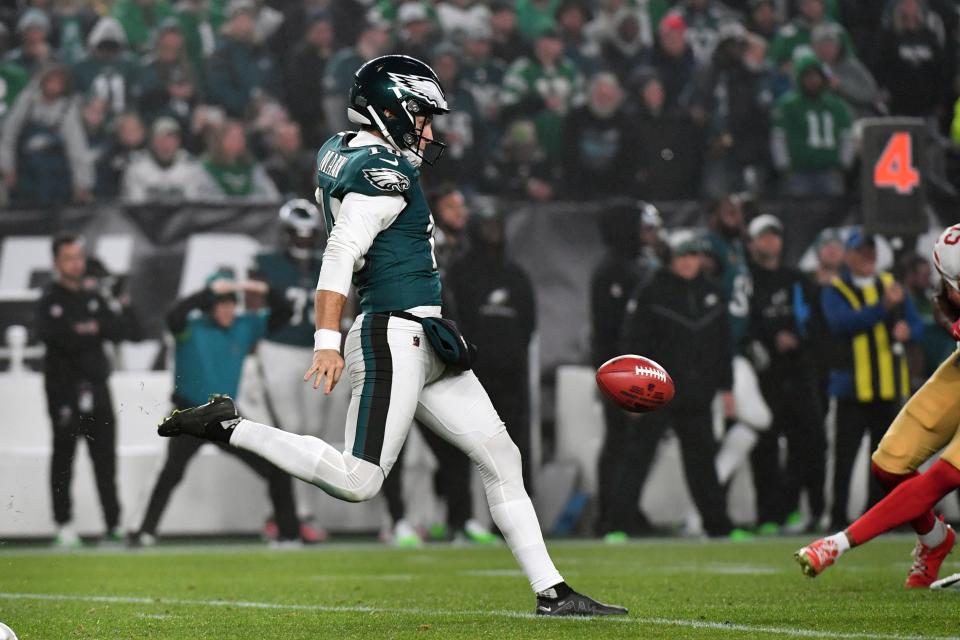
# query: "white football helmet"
{"type": "Point", "coordinates": [946, 256]}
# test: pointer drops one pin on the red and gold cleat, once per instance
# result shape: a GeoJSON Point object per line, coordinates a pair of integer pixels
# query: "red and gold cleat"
{"type": "Point", "coordinates": [817, 556]}
{"type": "Point", "coordinates": [927, 561]}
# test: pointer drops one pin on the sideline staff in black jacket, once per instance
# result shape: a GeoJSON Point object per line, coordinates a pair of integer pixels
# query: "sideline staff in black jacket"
{"type": "Point", "coordinates": [679, 319]}
{"type": "Point", "coordinates": [74, 321]}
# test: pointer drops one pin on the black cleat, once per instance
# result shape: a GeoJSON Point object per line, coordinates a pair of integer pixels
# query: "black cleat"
{"type": "Point", "coordinates": [576, 604]}
{"type": "Point", "coordinates": [212, 421]}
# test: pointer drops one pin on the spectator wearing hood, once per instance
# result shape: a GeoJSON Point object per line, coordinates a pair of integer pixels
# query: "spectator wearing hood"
{"type": "Point", "coordinates": [230, 172]}
{"type": "Point", "coordinates": [164, 172]}
{"type": "Point", "coordinates": [44, 156]}
{"type": "Point", "coordinates": [597, 148]}
{"type": "Point", "coordinates": [667, 145]}
{"type": "Point", "coordinates": [912, 64]}
{"type": "Point", "coordinates": [626, 42]}
{"type": "Point", "coordinates": [33, 31]}
{"type": "Point", "coordinates": [241, 72]}
{"type": "Point", "coordinates": [107, 71]}
{"type": "Point", "coordinates": [545, 88]}
{"type": "Point", "coordinates": [607, 12]}
{"type": "Point", "coordinates": [732, 101]}
{"type": "Point", "coordinates": [305, 91]}
{"type": "Point", "coordinates": [141, 19]}
{"type": "Point", "coordinates": [703, 19]}
{"type": "Point", "coordinates": [793, 38]}
{"type": "Point", "coordinates": [811, 140]}
{"type": "Point", "coordinates": [673, 61]}
{"type": "Point", "coordinates": [496, 307]}
{"type": "Point", "coordinates": [461, 129]}
{"type": "Point", "coordinates": [846, 75]}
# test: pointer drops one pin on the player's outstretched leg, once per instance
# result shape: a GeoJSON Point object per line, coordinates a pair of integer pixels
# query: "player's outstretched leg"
{"type": "Point", "coordinates": [909, 501]}
{"type": "Point", "coordinates": [457, 408]}
{"type": "Point", "coordinates": [310, 459]}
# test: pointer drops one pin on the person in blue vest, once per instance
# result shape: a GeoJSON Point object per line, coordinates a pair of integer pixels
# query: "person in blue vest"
{"type": "Point", "coordinates": [212, 341]}
{"type": "Point", "coordinates": [871, 320]}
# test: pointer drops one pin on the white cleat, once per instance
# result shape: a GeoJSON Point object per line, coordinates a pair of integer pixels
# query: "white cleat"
{"type": "Point", "coordinates": [950, 582]}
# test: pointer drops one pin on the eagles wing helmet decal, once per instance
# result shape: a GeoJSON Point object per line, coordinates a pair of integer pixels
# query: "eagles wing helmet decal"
{"type": "Point", "coordinates": [387, 179]}
{"type": "Point", "coordinates": [420, 86]}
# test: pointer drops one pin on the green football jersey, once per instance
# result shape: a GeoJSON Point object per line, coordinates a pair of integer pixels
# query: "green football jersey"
{"type": "Point", "coordinates": [736, 281]}
{"type": "Point", "coordinates": [298, 282]}
{"type": "Point", "coordinates": [400, 269]}
{"type": "Point", "coordinates": [814, 130]}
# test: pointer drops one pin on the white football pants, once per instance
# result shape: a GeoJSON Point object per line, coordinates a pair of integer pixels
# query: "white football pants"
{"type": "Point", "coordinates": [395, 377]}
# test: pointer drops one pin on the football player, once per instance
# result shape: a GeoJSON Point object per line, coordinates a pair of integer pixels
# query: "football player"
{"type": "Point", "coordinates": [403, 360]}
{"type": "Point", "coordinates": [929, 422]}
{"type": "Point", "coordinates": [292, 269]}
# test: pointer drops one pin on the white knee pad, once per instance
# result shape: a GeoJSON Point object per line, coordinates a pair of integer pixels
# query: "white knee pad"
{"type": "Point", "coordinates": [358, 482]}
{"type": "Point", "coordinates": [501, 469]}
{"type": "Point", "coordinates": [752, 409]}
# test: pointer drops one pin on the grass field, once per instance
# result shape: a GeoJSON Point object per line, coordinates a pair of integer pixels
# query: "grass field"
{"type": "Point", "coordinates": [673, 590]}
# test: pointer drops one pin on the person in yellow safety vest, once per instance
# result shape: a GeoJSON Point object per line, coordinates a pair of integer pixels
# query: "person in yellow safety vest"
{"type": "Point", "coordinates": [871, 320]}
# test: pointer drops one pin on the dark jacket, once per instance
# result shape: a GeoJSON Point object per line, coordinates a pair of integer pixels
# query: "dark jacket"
{"type": "Point", "coordinates": [596, 153]}
{"type": "Point", "coordinates": [496, 310]}
{"type": "Point", "coordinates": [72, 355]}
{"type": "Point", "coordinates": [682, 325]}
{"type": "Point", "coordinates": [784, 299]}
{"type": "Point", "coordinates": [912, 67]}
{"type": "Point", "coordinates": [616, 277]}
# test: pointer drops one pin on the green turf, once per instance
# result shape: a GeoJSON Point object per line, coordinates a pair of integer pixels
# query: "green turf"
{"type": "Point", "coordinates": [339, 591]}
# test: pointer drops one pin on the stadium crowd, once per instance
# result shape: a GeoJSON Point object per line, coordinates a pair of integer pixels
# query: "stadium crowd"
{"type": "Point", "coordinates": [155, 100]}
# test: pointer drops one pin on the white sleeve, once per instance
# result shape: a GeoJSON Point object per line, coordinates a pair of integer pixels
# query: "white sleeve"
{"type": "Point", "coordinates": [359, 219]}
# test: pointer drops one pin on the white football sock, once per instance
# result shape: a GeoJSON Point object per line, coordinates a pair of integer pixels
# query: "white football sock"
{"type": "Point", "coordinates": [936, 536]}
{"type": "Point", "coordinates": [518, 523]}
{"type": "Point", "coordinates": [737, 444]}
{"type": "Point", "coordinates": [842, 542]}
{"type": "Point", "coordinates": [311, 459]}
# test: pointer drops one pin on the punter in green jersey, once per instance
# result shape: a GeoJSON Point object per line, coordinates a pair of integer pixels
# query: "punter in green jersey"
{"type": "Point", "coordinates": [381, 237]}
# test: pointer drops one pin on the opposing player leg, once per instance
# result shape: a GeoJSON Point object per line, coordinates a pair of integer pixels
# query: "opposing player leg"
{"type": "Point", "coordinates": [458, 409]}
{"type": "Point", "coordinates": [927, 423]}
{"type": "Point", "coordinates": [386, 373]}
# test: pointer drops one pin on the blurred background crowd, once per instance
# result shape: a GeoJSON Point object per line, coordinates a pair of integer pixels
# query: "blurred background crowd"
{"type": "Point", "coordinates": [149, 100]}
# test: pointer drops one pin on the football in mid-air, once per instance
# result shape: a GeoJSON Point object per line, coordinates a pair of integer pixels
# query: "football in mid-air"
{"type": "Point", "coordinates": [635, 383]}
